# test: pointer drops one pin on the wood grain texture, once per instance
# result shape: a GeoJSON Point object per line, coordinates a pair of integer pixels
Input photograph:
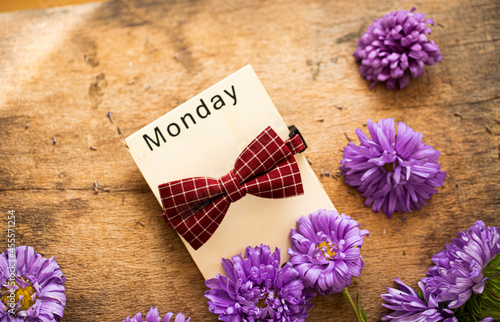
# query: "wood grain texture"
{"type": "Point", "coordinates": [38, 4]}
{"type": "Point", "coordinates": [62, 70]}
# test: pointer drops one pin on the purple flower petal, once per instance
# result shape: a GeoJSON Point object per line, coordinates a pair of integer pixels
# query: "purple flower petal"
{"type": "Point", "coordinates": [406, 305]}
{"type": "Point", "coordinates": [154, 316]}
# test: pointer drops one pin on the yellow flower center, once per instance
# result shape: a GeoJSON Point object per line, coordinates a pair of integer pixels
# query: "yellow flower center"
{"type": "Point", "coordinates": [389, 167]}
{"type": "Point", "coordinates": [327, 248]}
{"type": "Point", "coordinates": [262, 303]}
{"type": "Point", "coordinates": [26, 292]}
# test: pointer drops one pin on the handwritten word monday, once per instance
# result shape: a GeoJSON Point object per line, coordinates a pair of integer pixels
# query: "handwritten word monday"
{"type": "Point", "coordinates": [202, 111]}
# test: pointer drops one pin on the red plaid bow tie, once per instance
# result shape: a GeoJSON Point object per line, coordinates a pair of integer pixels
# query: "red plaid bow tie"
{"type": "Point", "coordinates": [195, 207]}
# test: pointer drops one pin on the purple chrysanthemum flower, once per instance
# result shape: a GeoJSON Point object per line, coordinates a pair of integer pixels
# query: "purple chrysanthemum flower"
{"type": "Point", "coordinates": [396, 47]}
{"type": "Point", "coordinates": [393, 172]}
{"type": "Point", "coordinates": [408, 306]}
{"type": "Point", "coordinates": [32, 286]}
{"type": "Point", "coordinates": [154, 316]}
{"type": "Point", "coordinates": [256, 289]}
{"type": "Point", "coordinates": [326, 250]}
{"type": "Point", "coordinates": [458, 269]}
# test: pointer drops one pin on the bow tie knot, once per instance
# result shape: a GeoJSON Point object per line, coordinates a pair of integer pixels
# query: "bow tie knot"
{"type": "Point", "coordinates": [232, 187]}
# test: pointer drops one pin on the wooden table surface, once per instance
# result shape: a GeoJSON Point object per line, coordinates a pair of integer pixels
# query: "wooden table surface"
{"type": "Point", "coordinates": [62, 70]}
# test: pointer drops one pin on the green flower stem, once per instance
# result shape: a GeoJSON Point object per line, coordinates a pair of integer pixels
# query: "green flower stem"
{"type": "Point", "coordinates": [346, 294]}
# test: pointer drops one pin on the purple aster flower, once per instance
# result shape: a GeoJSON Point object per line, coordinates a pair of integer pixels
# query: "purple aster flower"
{"type": "Point", "coordinates": [256, 289]}
{"type": "Point", "coordinates": [407, 306]}
{"type": "Point", "coordinates": [458, 269]}
{"type": "Point", "coordinates": [326, 250]}
{"type": "Point", "coordinates": [154, 316]}
{"type": "Point", "coordinates": [393, 172]}
{"type": "Point", "coordinates": [396, 47]}
{"type": "Point", "coordinates": [32, 286]}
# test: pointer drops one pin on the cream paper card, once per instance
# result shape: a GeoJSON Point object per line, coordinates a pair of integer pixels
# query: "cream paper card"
{"type": "Point", "coordinates": [203, 137]}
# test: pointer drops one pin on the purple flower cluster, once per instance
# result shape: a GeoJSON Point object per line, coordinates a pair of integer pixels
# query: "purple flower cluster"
{"type": "Point", "coordinates": [37, 286]}
{"type": "Point", "coordinates": [458, 269]}
{"type": "Point", "coordinates": [326, 250]}
{"type": "Point", "coordinates": [394, 172]}
{"type": "Point", "coordinates": [256, 289]}
{"type": "Point", "coordinates": [396, 47]}
{"type": "Point", "coordinates": [457, 275]}
{"type": "Point", "coordinates": [154, 316]}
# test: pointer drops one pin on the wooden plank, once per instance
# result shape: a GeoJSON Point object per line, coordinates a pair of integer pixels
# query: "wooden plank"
{"type": "Point", "coordinates": [64, 69]}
